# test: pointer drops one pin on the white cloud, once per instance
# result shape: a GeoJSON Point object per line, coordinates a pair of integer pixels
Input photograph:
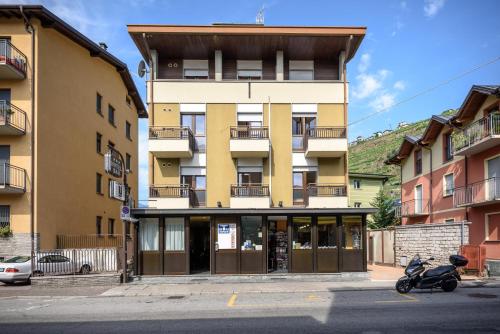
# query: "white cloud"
{"type": "Point", "coordinates": [364, 62]}
{"type": "Point", "coordinates": [383, 102]}
{"type": "Point", "coordinates": [367, 86]}
{"type": "Point", "coordinates": [432, 7]}
{"type": "Point", "coordinates": [399, 85]}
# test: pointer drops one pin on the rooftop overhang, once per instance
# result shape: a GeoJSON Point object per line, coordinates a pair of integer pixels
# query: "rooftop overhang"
{"type": "Point", "coordinates": [249, 41]}
{"type": "Point", "coordinates": [475, 98]}
{"type": "Point", "coordinates": [141, 212]}
{"type": "Point", "coordinates": [404, 151]}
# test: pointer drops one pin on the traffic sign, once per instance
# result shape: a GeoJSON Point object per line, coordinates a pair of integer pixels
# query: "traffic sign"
{"type": "Point", "coordinates": [125, 212]}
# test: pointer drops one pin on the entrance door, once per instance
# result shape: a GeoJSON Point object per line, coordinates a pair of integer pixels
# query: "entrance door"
{"type": "Point", "coordinates": [328, 241]}
{"type": "Point", "coordinates": [277, 249]}
{"type": "Point", "coordinates": [4, 165]}
{"type": "Point", "coordinates": [199, 246]}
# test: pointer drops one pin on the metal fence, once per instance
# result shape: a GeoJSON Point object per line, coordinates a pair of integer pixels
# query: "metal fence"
{"type": "Point", "coordinates": [249, 190]}
{"type": "Point", "coordinates": [169, 191]}
{"type": "Point", "coordinates": [248, 132]}
{"type": "Point", "coordinates": [12, 115]}
{"type": "Point", "coordinates": [478, 192]}
{"type": "Point", "coordinates": [327, 190]}
{"type": "Point", "coordinates": [89, 241]}
{"type": "Point", "coordinates": [11, 55]}
{"type": "Point", "coordinates": [76, 261]}
{"type": "Point", "coordinates": [476, 132]}
{"type": "Point", "coordinates": [12, 176]}
{"type": "Point", "coordinates": [413, 208]}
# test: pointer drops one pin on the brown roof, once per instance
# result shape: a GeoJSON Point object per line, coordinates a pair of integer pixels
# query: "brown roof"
{"type": "Point", "coordinates": [475, 98]}
{"type": "Point", "coordinates": [50, 20]}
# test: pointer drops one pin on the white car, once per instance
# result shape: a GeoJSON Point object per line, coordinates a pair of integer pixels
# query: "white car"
{"type": "Point", "coordinates": [56, 264]}
{"type": "Point", "coordinates": [15, 269]}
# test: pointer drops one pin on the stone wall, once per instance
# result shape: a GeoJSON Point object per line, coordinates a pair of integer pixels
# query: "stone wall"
{"type": "Point", "coordinates": [77, 280]}
{"type": "Point", "coordinates": [17, 244]}
{"type": "Point", "coordinates": [436, 240]}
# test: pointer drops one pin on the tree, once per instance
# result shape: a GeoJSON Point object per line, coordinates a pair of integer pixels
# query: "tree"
{"type": "Point", "coordinates": [385, 215]}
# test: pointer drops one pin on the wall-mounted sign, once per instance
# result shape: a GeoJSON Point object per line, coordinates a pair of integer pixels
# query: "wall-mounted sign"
{"type": "Point", "coordinates": [113, 163]}
{"type": "Point", "coordinates": [226, 236]}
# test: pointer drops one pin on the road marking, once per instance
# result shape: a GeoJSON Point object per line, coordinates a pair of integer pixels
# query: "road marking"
{"type": "Point", "coordinates": [232, 300]}
{"type": "Point", "coordinates": [409, 299]}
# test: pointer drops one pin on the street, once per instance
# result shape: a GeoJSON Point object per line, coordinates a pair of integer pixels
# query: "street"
{"type": "Point", "coordinates": [466, 310]}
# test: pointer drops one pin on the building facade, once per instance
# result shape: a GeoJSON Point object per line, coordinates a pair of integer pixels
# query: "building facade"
{"type": "Point", "coordinates": [248, 150]}
{"type": "Point", "coordinates": [364, 187]}
{"type": "Point", "coordinates": [451, 173]}
{"type": "Point", "coordinates": [63, 99]}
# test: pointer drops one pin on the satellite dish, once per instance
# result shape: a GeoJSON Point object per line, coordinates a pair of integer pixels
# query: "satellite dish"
{"type": "Point", "coordinates": [141, 69]}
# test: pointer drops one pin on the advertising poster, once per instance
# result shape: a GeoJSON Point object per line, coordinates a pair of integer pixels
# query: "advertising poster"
{"type": "Point", "coordinates": [226, 236]}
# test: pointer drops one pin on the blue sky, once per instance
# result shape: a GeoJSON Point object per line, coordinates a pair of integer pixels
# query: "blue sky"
{"type": "Point", "coordinates": [411, 46]}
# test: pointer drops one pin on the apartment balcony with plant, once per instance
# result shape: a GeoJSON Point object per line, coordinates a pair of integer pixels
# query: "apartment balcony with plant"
{"type": "Point", "coordinates": [478, 136]}
{"type": "Point", "coordinates": [12, 120]}
{"type": "Point", "coordinates": [12, 61]}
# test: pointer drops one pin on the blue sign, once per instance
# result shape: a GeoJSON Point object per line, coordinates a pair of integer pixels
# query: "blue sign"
{"type": "Point", "coordinates": [224, 229]}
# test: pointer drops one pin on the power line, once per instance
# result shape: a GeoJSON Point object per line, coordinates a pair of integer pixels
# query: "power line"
{"type": "Point", "coordinates": [428, 90]}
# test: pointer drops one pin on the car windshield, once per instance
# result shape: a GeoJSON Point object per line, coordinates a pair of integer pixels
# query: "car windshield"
{"type": "Point", "coordinates": [18, 259]}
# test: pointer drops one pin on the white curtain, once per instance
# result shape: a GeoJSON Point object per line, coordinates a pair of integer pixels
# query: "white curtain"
{"type": "Point", "coordinates": [149, 234]}
{"type": "Point", "coordinates": [174, 234]}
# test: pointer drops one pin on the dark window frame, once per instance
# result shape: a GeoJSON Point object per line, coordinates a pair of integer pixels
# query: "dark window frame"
{"type": "Point", "coordinates": [128, 162]}
{"type": "Point", "coordinates": [98, 104]}
{"type": "Point", "coordinates": [111, 115]}
{"type": "Point", "coordinates": [447, 147]}
{"type": "Point", "coordinates": [98, 225]}
{"type": "Point", "coordinates": [98, 142]}
{"type": "Point", "coordinates": [128, 130]}
{"type": "Point", "coordinates": [111, 226]}
{"type": "Point", "coordinates": [418, 157]}
{"type": "Point", "coordinates": [98, 184]}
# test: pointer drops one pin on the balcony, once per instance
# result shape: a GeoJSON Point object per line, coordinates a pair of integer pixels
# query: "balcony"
{"type": "Point", "coordinates": [249, 142]}
{"type": "Point", "coordinates": [255, 196]}
{"type": "Point", "coordinates": [12, 120]}
{"type": "Point", "coordinates": [413, 208]}
{"type": "Point", "coordinates": [169, 196]}
{"type": "Point", "coordinates": [480, 193]}
{"type": "Point", "coordinates": [325, 142]}
{"type": "Point", "coordinates": [12, 61]}
{"type": "Point", "coordinates": [12, 179]}
{"type": "Point", "coordinates": [478, 136]}
{"type": "Point", "coordinates": [171, 142]}
{"type": "Point", "coordinates": [322, 195]}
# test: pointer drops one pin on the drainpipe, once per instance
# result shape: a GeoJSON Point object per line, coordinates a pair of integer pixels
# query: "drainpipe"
{"type": "Point", "coordinates": [430, 186]}
{"type": "Point", "coordinates": [344, 77]}
{"type": "Point", "coordinates": [31, 30]}
{"type": "Point", "coordinates": [270, 160]}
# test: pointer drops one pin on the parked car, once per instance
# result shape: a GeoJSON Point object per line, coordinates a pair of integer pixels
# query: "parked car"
{"type": "Point", "coordinates": [56, 264]}
{"type": "Point", "coordinates": [15, 269]}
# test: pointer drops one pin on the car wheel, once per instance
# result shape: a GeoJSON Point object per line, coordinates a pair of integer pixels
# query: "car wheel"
{"type": "Point", "coordinates": [28, 281]}
{"type": "Point", "coordinates": [85, 269]}
{"type": "Point", "coordinates": [404, 285]}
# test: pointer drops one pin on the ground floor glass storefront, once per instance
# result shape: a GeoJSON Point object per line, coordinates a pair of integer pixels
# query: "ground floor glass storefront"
{"type": "Point", "coordinates": [250, 244]}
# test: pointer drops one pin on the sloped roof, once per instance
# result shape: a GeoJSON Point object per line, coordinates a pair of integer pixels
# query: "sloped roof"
{"type": "Point", "coordinates": [473, 101]}
{"type": "Point", "coordinates": [404, 150]}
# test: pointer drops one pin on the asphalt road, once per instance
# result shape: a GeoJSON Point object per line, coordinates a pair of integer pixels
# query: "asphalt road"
{"type": "Point", "coordinates": [472, 310]}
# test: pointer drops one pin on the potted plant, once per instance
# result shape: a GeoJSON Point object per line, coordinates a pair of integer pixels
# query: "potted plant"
{"type": "Point", "coordinates": [5, 231]}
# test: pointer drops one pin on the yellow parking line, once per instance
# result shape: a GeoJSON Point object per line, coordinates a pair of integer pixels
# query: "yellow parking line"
{"type": "Point", "coordinates": [408, 299]}
{"type": "Point", "coordinates": [232, 300]}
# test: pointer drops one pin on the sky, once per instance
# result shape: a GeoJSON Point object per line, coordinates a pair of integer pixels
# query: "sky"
{"type": "Point", "coordinates": [419, 57]}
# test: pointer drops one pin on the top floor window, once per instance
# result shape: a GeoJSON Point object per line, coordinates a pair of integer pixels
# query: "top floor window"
{"type": "Point", "coordinates": [418, 162]}
{"type": "Point", "coordinates": [301, 70]}
{"type": "Point", "coordinates": [195, 69]}
{"type": "Point", "coordinates": [447, 147]}
{"type": "Point", "coordinates": [111, 115]}
{"type": "Point", "coordinates": [249, 69]}
{"type": "Point", "coordinates": [98, 104]}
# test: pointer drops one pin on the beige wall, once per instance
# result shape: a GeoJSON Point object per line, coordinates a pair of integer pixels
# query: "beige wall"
{"type": "Point", "coordinates": [368, 191]}
{"type": "Point", "coordinates": [331, 170]}
{"type": "Point", "coordinates": [166, 171]}
{"type": "Point", "coordinates": [331, 114]}
{"type": "Point", "coordinates": [489, 100]}
{"type": "Point", "coordinates": [408, 170]}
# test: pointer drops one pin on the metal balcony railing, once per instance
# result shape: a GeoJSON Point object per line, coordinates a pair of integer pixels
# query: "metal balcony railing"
{"type": "Point", "coordinates": [326, 190]}
{"type": "Point", "coordinates": [12, 176]}
{"type": "Point", "coordinates": [11, 55]}
{"type": "Point", "coordinates": [326, 132]}
{"type": "Point", "coordinates": [168, 133]}
{"type": "Point", "coordinates": [249, 190]}
{"type": "Point", "coordinates": [12, 116]}
{"type": "Point", "coordinates": [478, 192]}
{"type": "Point", "coordinates": [169, 191]}
{"type": "Point", "coordinates": [246, 132]}
{"type": "Point", "coordinates": [416, 207]}
{"type": "Point", "coordinates": [476, 132]}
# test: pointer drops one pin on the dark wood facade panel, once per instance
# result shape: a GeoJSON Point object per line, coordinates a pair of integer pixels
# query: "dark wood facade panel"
{"type": "Point", "coordinates": [352, 260]}
{"type": "Point", "coordinates": [174, 263]}
{"type": "Point", "coordinates": [328, 260]}
{"type": "Point", "coordinates": [326, 70]}
{"type": "Point", "coordinates": [167, 68]}
{"type": "Point", "coordinates": [150, 263]}
{"type": "Point", "coordinates": [302, 261]}
{"type": "Point", "coordinates": [251, 262]}
{"type": "Point", "coordinates": [228, 69]}
{"type": "Point", "coordinates": [226, 262]}
{"type": "Point", "coordinates": [269, 69]}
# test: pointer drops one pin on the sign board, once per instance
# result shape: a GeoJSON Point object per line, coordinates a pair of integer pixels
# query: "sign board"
{"type": "Point", "coordinates": [113, 163]}
{"type": "Point", "coordinates": [226, 236]}
{"type": "Point", "coordinates": [125, 212]}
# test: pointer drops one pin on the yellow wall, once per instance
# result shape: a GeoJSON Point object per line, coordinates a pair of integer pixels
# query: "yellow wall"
{"type": "Point", "coordinates": [331, 170]}
{"type": "Point", "coordinates": [331, 114]}
{"type": "Point", "coordinates": [281, 138]}
{"type": "Point", "coordinates": [368, 191]}
{"type": "Point", "coordinates": [165, 114]}
{"type": "Point", "coordinates": [166, 171]}
{"type": "Point", "coordinates": [221, 168]}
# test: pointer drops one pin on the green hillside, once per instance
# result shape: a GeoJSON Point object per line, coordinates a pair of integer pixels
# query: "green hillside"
{"type": "Point", "coordinates": [369, 155]}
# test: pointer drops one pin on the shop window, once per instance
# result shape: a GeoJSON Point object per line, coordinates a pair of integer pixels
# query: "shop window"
{"type": "Point", "coordinates": [174, 234]}
{"type": "Point", "coordinates": [352, 232]}
{"type": "Point", "coordinates": [225, 237]}
{"type": "Point", "coordinates": [149, 231]}
{"type": "Point", "coordinates": [251, 233]}
{"type": "Point", "coordinates": [327, 232]}
{"type": "Point", "coordinates": [301, 233]}
{"type": "Point", "coordinates": [448, 185]}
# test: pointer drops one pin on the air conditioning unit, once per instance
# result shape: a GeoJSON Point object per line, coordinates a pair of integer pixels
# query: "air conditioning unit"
{"type": "Point", "coordinates": [116, 190]}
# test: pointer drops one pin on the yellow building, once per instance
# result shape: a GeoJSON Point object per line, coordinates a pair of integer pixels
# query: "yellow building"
{"type": "Point", "coordinates": [364, 187]}
{"type": "Point", "coordinates": [63, 99]}
{"type": "Point", "coordinates": [248, 150]}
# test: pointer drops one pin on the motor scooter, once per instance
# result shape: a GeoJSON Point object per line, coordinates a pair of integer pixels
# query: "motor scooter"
{"type": "Point", "coordinates": [444, 277]}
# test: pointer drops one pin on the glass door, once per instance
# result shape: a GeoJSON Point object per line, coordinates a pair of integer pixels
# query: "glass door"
{"type": "Point", "coordinates": [300, 128]}
{"type": "Point", "coordinates": [301, 181]}
{"type": "Point", "coordinates": [197, 183]}
{"type": "Point", "coordinates": [196, 122]}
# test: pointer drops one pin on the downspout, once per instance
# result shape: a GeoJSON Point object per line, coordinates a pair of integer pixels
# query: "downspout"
{"type": "Point", "coordinates": [270, 160]}
{"type": "Point", "coordinates": [430, 181]}
{"type": "Point", "coordinates": [344, 77]}
{"type": "Point", "coordinates": [31, 30]}
{"type": "Point", "coordinates": [466, 169]}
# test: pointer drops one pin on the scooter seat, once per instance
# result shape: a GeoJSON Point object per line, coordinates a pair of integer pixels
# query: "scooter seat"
{"type": "Point", "coordinates": [439, 271]}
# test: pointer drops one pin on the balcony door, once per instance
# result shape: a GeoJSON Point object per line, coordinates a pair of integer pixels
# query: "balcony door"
{"type": "Point", "coordinates": [4, 105]}
{"type": "Point", "coordinates": [4, 165]}
{"type": "Point", "coordinates": [418, 199]}
{"type": "Point", "coordinates": [300, 126]}
{"type": "Point", "coordinates": [196, 122]}
{"type": "Point", "coordinates": [301, 181]}
{"type": "Point", "coordinates": [198, 185]}
{"type": "Point", "coordinates": [249, 181]}
{"type": "Point", "coordinates": [493, 182]}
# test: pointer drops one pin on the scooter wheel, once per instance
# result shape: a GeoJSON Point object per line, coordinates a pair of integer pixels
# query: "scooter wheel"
{"type": "Point", "coordinates": [404, 285]}
{"type": "Point", "coordinates": [449, 285]}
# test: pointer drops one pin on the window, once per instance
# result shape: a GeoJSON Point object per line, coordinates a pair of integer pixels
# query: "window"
{"type": "Point", "coordinates": [111, 144]}
{"type": "Point", "coordinates": [98, 104]}
{"type": "Point", "coordinates": [352, 232]}
{"type": "Point", "coordinates": [301, 233]}
{"type": "Point", "coordinates": [195, 178]}
{"type": "Point", "coordinates": [300, 127]}
{"type": "Point", "coordinates": [249, 175]}
{"type": "Point", "coordinates": [450, 220]}
{"type": "Point", "coordinates": [4, 216]}
{"type": "Point", "coordinates": [419, 199]}
{"type": "Point", "coordinates": [251, 233]}
{"type": "Point", "coordinates": [98, 183]}
{"type": "Point", "coordinates": [195, 122]}
{"type": "Point", "coordinates": [327, 232]}
{"type": "Point", "coordinates": [447, 147]}
{"type": "Point", "coordinates": [357, 184]}
{"type": "Point", "coordinates": [357, 204]}
{"type": "Point", "coordinates": [249, 69]}
{"type": "Point", "coordinates": [128, 130]}
{"type": "Point", "coordinates": [301, 181]}
{"type": "Point", "coordinates": [174, 234]}
{"type": "Point", "coordinates": [418, 162]}
{"type": "Point", "coordinates": [448, 185]}
{"type": "Point", "coordinates": [301, 70]}
{"type": "Point", "coordinates": [98, 227]}
{"type": "Point", "coordinates": [493, 227]}
{"type": "Point", "coordinates": [111, 226]}
{"type": "Point", "coordinates": [128, 162]}
{"type": "Point", "coordinates": [149, 232]}
{"type": "Point", "coordinates": [98, 143]}
{"type": "Point", "coordinates": [195, 69]}
{"type": "Point", "coordinates": [111, 115]}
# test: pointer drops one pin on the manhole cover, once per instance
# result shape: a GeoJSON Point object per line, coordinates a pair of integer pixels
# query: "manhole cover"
{"type": "Point", "coordinates": [481, 295]}
{"type": "Point", "coordinates": [175, 297]}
